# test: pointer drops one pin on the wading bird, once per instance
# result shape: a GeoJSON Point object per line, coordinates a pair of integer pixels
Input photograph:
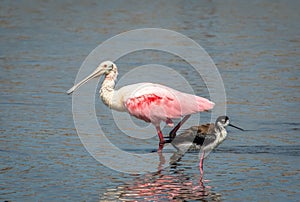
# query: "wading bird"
{"type": "Point", "coordinates": [147, 101]}
{"type": "Point", "coordinates": [204, 138]}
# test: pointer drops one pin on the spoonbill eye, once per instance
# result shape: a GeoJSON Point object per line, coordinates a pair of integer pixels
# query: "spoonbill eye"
{"type": "Point", "coordinates": [105, 65]}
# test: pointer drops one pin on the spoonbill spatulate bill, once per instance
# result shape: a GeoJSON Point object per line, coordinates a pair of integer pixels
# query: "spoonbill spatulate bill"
{"type": "Point", "coordinates": [146, 101]}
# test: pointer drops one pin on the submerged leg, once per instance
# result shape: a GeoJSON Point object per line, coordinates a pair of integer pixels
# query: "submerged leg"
{"type": "Point", "coordinates": [172, 134]}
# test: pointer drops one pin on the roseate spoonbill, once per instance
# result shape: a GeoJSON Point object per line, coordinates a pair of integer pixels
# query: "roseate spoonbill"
{"type": "Point", "coordinates": [204, 137]}
{"type": "Point", "coordinates": [147, 101]}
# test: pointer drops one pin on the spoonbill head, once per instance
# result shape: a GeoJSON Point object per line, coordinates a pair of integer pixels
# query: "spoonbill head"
{"type": "Point", "coordinates": [104, 68]}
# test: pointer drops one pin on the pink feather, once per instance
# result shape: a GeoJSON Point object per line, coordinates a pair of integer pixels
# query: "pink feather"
{"type": "Point", "coordinates": [155, 103]}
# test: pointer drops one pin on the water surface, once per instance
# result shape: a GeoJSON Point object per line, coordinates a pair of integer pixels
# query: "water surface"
{"type": "Point", "coordinates": [255, 46]}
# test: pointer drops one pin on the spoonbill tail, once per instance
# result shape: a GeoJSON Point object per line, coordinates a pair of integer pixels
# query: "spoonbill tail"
{"type": "Point", "coordinates": [204, 137]}
{"type": "Point", "coordinates": [147, 101]}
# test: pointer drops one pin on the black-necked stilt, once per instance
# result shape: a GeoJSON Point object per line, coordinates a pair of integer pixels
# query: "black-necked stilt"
{"type": "Point", "coordinates": [204, 138]}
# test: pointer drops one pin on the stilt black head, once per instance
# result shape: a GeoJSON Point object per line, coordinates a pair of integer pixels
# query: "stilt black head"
{"type": "Point", "coordinates": [223, 121]}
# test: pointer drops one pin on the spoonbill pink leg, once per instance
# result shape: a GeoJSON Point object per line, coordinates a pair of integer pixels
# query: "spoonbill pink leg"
{"type": "Point", "coordinates": [160, 135]}
{"type": "Point", "coordinates": [161, 139]}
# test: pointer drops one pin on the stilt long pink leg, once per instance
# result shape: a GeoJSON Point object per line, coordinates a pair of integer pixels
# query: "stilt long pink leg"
{"type": "Point", "coordinates": [201, 164]}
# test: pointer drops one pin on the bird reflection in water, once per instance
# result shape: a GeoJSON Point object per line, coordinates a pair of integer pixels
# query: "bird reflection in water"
{"type": "Point", "coordinates": [169, 184]}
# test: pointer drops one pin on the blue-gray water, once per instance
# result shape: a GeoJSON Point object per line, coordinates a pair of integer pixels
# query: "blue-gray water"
{"type": "Point", "coordinates": [255, 45]}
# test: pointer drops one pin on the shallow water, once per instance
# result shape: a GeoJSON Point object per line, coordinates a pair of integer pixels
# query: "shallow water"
{"type": "Point", "coordinates": [255, 46]}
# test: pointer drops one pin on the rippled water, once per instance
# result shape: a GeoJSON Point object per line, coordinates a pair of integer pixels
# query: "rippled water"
{"type": "Point", "coordinates": [255, 46]}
